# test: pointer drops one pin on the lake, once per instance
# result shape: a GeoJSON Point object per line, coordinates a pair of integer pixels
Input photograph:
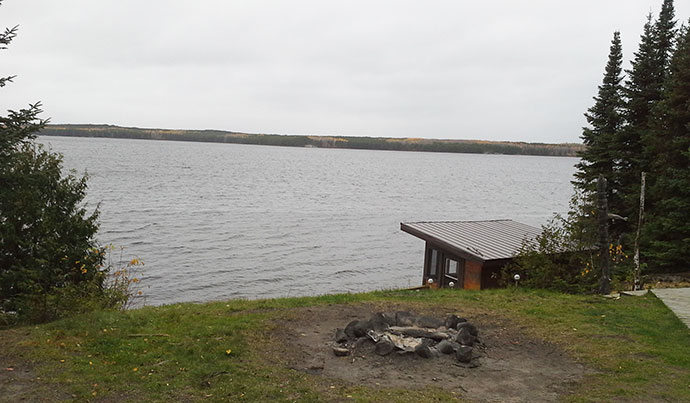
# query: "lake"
{"type": "Point", "coordinates": [217, 221]}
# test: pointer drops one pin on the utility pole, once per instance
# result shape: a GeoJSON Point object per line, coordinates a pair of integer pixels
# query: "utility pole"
{"type": "Point", "coordinates": [602, 205]}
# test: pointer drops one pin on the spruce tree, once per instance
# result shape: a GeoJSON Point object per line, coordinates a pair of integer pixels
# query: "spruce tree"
{"type": "Point", "coordinates": [50, 261]}
{"type": "Point", "coordinates": [668, 229]}
{"type": "Point", "coordinates": [665, 34]}
{"type": "Point", "coordinates": [605, 121]}
{"type": "Point", "coordinates": [643, 90]}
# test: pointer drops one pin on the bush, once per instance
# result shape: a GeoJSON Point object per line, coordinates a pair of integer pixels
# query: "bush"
{"type": "Point", "coordinates": [48, 251]}
{"type": "Point", "coordinates": [555, 260]}
{"type": "Point", "coordinates": [564, 258]}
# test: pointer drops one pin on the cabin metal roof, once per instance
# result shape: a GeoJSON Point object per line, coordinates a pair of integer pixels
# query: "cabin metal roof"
{"type": "Point", "coordinates": [482, 240]}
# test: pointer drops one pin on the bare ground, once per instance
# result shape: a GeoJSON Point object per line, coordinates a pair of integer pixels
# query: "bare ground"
{"type": "Point", "coordinates": [513, 366]}
{"type": "Point", "coordinates": [18, 380]}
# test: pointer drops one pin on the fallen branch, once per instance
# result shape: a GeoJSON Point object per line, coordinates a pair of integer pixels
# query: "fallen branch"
{"type": "Point", "coordinates": [148, 335]}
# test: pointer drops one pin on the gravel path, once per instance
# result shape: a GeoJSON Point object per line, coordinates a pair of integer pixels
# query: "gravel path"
{"type": "Point", "coordinates": [677, 300]}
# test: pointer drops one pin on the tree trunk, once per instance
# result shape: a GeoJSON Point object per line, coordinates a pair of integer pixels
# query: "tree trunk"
{"type": "Point", "coordinates": [636, 258]}
{"type": "Point", "coordinates": [602, 204]}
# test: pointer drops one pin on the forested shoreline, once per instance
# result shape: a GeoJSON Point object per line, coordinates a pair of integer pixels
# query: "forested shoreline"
{"type": "Point", "coordinates": [369, 143]}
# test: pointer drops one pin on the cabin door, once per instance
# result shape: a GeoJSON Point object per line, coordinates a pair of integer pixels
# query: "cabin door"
{"type": "Point", "coordinates": [453, 272]}
{"type": "Point", "coordinates": [432, 270]}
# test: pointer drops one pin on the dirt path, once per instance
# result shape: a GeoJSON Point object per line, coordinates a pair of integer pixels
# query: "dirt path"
{"type": "Point", "coordinates": [513, 367]}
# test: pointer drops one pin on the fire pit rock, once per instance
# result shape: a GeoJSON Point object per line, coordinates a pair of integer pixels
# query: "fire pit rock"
{"type": "Point", "coordinates": [403, 332]}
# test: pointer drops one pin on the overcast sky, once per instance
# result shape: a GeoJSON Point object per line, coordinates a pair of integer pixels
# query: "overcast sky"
{"type": "Point", "coordinates": [493, 70]}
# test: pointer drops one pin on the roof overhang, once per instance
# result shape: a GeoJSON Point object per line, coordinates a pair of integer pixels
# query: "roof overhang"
{"type": "Point", "coordinates": [440, 242]}
{"type": "Point", "coordinates": [489, 240]}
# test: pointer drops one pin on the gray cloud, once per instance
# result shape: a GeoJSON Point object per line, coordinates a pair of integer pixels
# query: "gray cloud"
{"type": "Point", "coordinates": [497, 70]}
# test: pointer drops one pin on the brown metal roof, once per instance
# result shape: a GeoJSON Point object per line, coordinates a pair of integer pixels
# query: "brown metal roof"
{"type": "Point", "coordinates": [483, 240]}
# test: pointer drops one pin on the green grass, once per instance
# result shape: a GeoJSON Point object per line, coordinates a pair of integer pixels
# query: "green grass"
{"type": "Point", "coordinates": [637, 348]}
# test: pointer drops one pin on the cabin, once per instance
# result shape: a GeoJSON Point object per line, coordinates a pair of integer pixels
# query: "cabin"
{"type": "Point", "coordinates": [468, 254]}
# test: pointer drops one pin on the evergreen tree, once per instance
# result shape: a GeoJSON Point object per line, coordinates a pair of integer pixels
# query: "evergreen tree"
{"type": "Point", "coordinates": [643, 90]}
{"type": "Point", "coordinates": [49, 260]}
{"type": "Point", "coordinates": [668, 228]}
{"type": "Point", "coordinates": [665, 33]}
{"type": "Point", "coordinates": [605, 122]}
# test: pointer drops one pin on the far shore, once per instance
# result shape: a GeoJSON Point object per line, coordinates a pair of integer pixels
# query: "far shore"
{"type": "Point", "coordinates": [362, 143]}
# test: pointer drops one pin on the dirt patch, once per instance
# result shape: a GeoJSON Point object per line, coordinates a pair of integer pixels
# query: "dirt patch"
{"type": "Point", "coordinates": [18, 379]}
{"type": "Point", "coordinates": [513, 366]}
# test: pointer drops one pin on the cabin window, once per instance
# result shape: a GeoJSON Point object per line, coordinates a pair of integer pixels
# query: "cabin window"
{"type": "Point", "coordinates": [433, 262]}
{"type": "Point", "coordinates": [452, 267]}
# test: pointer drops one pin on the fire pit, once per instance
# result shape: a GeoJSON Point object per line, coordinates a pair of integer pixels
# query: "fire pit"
{"type": "Point", "coordinates": [405, 333]}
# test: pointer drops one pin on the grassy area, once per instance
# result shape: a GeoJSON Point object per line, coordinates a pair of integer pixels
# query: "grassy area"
{"type": "Point", "coordinates": [637, 348]}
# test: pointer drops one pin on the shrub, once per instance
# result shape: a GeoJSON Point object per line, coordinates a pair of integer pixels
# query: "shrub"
{"type": "Point", "coordinates": [554, 260]}
{"type": "Point", "coordinates": [122, 286]}
{"type": "Point", "coordinates": [564, 258]}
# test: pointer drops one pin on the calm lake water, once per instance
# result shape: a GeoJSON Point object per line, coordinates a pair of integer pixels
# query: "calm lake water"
{"type": "Point", "coordinates": [218, 221]}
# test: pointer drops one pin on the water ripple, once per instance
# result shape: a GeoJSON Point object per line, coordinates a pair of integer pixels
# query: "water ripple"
{"type": "Point", "coordinates": [218, 221]}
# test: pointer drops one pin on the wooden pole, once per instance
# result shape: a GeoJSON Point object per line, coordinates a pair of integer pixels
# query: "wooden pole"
{"type": "Point", "coordinates": [602, 204]}
{"type": "Point", "coordinates": [636, 258]}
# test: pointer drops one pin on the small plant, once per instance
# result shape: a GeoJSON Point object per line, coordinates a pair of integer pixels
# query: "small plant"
{"type": "Point", "coordinates": [122, 288]}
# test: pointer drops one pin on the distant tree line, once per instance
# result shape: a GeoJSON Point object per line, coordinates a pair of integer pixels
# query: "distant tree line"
{"type": "Point", "coordinates": [640, 122]}
{"type": "Point", "coordinates": [369, 143]}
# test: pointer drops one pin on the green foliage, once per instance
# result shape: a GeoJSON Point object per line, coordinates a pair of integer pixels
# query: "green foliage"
{"type": "Point", "coordinates": [642, 91]}
{"type": "Point", "coordinates": [605, 121]}
{"type": "Point", "coordinates": [50, 262]}
{"type": "Point", "coordinates": [565, 256]}
{"type": "Point", "coordinates": [49, 258]}
{"type": "Point", "coordinates": [648, 133]}
{"type": "Point", "coordinates": [556, 260]}
{"type": "Point", "coordinates": [668, 231]}
{"type": "Point", "coordinates": [601, 155]}
{"type": "Point", "coordinates": [665, 35]}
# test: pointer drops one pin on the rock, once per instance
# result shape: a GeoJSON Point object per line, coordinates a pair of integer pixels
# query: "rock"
{"type": "Point", "coordinates": [362, 341]}
{"type": "Point", "coordinates": [472, 328]}
{"type": "Point", "coordinates": [340, 336]}
{"type": "Point", "coordinates": [384, 347]}
{"type": "Point", "coordinates": [357, 328]}
{"type": "Point", "coordinates": [428, 322]}
{"type": "Point", "coordinates": [447, 346]}
{"type": "Point", "coordinates": [452, 321]}
{"type": "Point", "coordinates": [464, 354]}
{"type": "Point", "coordinates": [340, 352]}
{"type": "Point", "coordinates": [404, 318]}
{"type": "Point", "coordinates": [361, 328]}
{"type": "Point", "coordinates": [424, 351]}
{"type": "Point", "coordinates": [350, 329]}
{"type": "Point", "coordinates": [381, 321]}
{"type": "Point", "coordinates": [464, 337]}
